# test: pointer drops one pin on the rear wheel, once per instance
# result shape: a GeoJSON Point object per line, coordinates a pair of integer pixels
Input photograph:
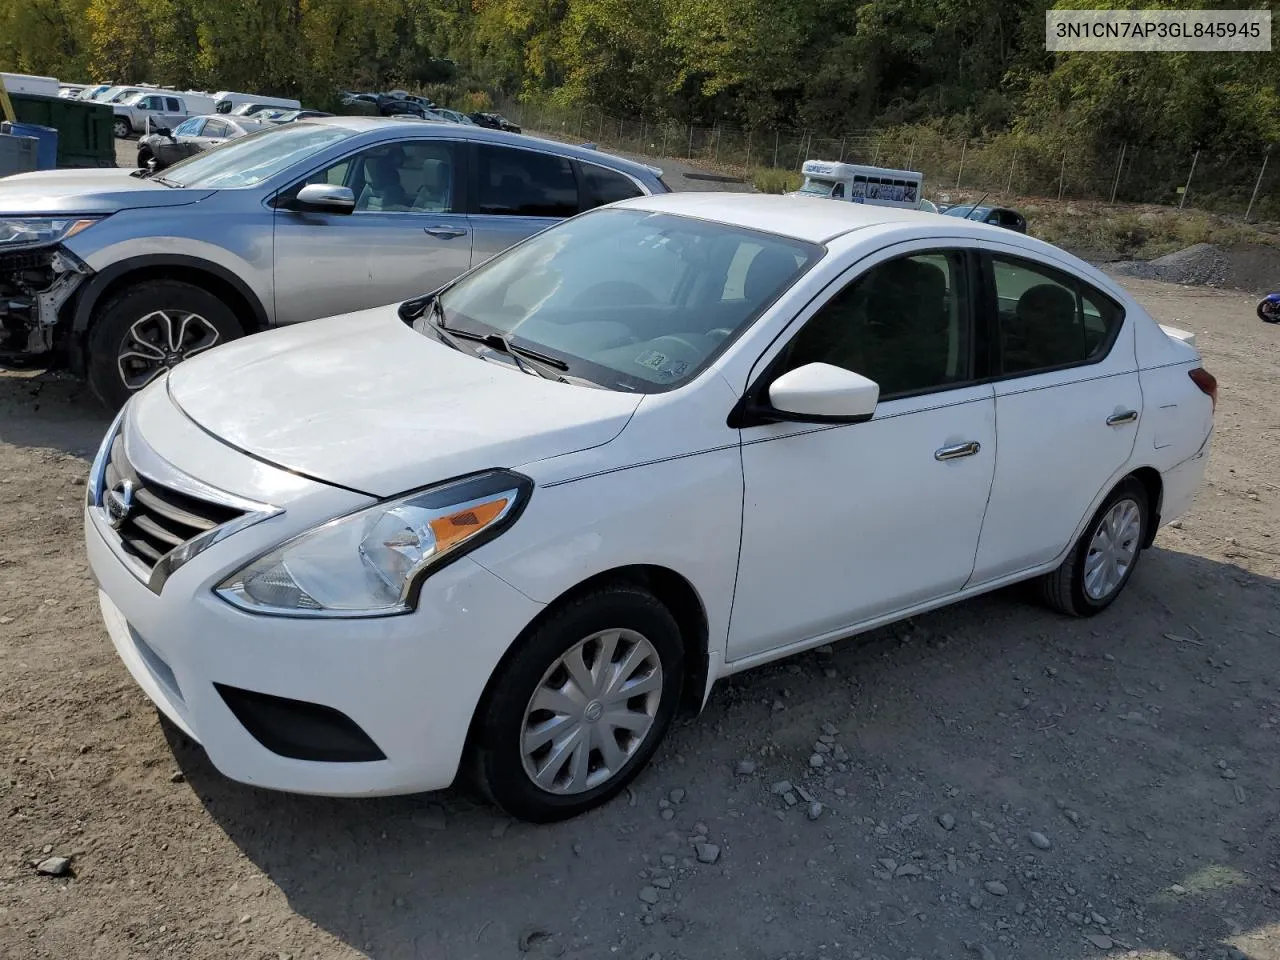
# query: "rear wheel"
{"type": "Point", "coordinates": [1104, 558]}
{"type": "Point", "coordinates": [147, 329]}
{"type": "Point", "coordinates": [122, 128]}
{"type": "Point", "coordinates": [580, 708]}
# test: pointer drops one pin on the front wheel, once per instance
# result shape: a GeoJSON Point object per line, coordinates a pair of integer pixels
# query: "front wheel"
{"type": "Point", "coordinates": [147, 329]}
{"type": "Point", "coordinates": [580, 708]}
{"type": "Point", "coordinates": [1269, 309]}
{"type": "Point", "coordinates": [1104, 558]}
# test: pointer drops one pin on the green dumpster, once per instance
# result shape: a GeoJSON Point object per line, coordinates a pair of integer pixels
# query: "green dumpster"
{"type": "Point", "coordinates": [85, 134]}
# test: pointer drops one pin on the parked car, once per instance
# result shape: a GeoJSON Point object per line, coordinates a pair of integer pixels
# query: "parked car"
{"type": "Point", "coordinates": [253, 109]}
{"type": "Point", "coordinates": [495, 121]}
{"type": "Point", "coordinates": [148, 109]}
{"type": "Point", "coordinates": [227, 100]}
{"type": "Point", "coordinates": [122, 274]}
{"type": "Point", "coordinates": [997, 216]}
{"type": "Point", "coordinates": [407, 108]}
{"type": "Point", "coordinates": [164, 148]}
{"type": "Point", "coordinates": [289, 116]}
{"type": "Point", "coordinates": [524, 520]}
{"type": "Point", "coordinates": [453, 116]}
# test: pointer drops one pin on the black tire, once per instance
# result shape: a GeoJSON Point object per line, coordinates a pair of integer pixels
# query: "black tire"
{"type": "Point", "coordinates": [1269, 311]}
{"type": "Point", "coordinates": [497, 744]}
{"type": "Point", "coordinates": [1065, 589]}
{"type": "Point", "coordinates": [144, 157]}
{"type": "Point", "coordinates": [121, 128]}
{"type": "Point", "coordinates": [112, 330]}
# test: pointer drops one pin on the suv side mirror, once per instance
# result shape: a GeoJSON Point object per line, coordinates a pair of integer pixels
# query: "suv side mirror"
{"type": "Point", "coordinates": [822, 393]}
{"type": "Point", "coordinates": [324, 198]}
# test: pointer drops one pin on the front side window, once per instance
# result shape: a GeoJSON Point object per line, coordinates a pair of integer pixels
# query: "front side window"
{"type": "Point", "coordinates": [905, 323]}
{"type": "Point", "coordinates": [524, 183]}
{"type": "Point", "coordinates": [1047, 319]}
{"type": "Point", "coordinates": [151, 103]}
{"type": "Point", "coordinates": [414, 176]}
{"type": "Point", "coordinates": [626, 299]}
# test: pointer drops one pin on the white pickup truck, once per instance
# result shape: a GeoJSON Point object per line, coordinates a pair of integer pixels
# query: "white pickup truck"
{"type": "Point", "coordinates": [158, 108]}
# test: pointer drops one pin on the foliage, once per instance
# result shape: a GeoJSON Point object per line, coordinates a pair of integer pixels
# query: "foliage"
{"type": "Point", "coordinates": [768, 180]}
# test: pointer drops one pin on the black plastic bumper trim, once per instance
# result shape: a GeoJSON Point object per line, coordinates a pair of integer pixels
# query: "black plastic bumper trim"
{"type": "Point", "coordinates": [298, 729]}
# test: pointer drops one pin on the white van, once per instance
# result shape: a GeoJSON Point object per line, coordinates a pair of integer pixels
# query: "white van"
{"type": "Point", "coordinates": [859, 184]}
{"type": "Point", "coordinates": [228, 100]}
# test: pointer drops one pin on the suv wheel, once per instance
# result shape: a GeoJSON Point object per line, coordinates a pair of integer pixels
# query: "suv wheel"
{"type": "Point", "coordinates": [148, 329]}
{"type": "Point", "coordinates": [122, 128]}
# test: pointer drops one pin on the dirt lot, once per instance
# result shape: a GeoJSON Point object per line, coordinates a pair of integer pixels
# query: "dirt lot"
{"type": "Point", "coordinates": [1142, 745]}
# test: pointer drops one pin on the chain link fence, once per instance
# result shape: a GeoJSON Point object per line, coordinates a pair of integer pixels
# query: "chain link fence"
{"type": "Point", "coordinates": [1238, 183]}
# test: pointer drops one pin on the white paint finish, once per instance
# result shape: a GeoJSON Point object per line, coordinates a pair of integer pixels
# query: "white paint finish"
{"type": "Point", "coordinates": [364, 401]}
{"type": "Point", "coordinates": [1057, 456]}
{"type": "Point", "coordinates": [844, 524]}
{"type": "Point", "coordinates": [822, 390]}
{"type": "Point", "coordinates": [841, 528]}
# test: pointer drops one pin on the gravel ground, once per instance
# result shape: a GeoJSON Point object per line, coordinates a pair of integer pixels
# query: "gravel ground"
{"type": "Point", "coordinates": [985, 781]}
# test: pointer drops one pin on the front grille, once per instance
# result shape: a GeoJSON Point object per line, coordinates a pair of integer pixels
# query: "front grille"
{"type": "Point", "coordinates": [161, 518]}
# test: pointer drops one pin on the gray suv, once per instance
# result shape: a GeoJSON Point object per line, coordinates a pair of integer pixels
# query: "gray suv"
{"type": "Point", "coordinates": [124, 274]}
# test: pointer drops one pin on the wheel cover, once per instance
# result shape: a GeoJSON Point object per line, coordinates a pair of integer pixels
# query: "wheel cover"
{"type": "Point", "coordinates": [591, 711]}
{"type": "Point", "coordinates": [1112, 549]}
{"type": "Point", "coordinates": [159, 341]}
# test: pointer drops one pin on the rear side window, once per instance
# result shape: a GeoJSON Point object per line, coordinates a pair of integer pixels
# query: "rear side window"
{"type": "Point", "coordinates": [1049, 320]}
{"type": "Point", "coordinates": [172, 105]}
{"type": "Point", "coordinates": [524, 183]}
{"type": "Point", "coordinates": [606, 186]}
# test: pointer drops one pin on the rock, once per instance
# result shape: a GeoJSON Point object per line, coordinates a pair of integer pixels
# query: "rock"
{"type": "Point", "coordinates": [1101, 941]}
{"type": "Point", "coordinates": [662, 883]}
{"type": "Point", "coordinates": [1039, 840]}
{"type": "Point", "coordinates": [981, 949]}
{"type": "Point", "coordinates": [908, 870]}
{"type": "Point", "coordinates": [1020, 907]}
{"type": "Point", "coordinates": [745, 768]}
{"type": "Point", "coordinates": [1235, 953]}
{"type": "Point", "coordinates": [888, 863]}
{"type": "Point", "coordinates": [814, 811]}
{"type": "Point", "coordinates": [5, 621]}
{"type": "Point", "coordinates": [668, 813]}
{"type": "Point", "coordinates": [805, 795]}
{"type": "Point", "coordinates": [1228, 774]}
{"type": "Point", "coordinates": [577, 849]}
{"type": "Point", "coordinates": [701, 829]}
{"type": "Point", "coordinates": [649, 895]}
{"type": "Point", "coordinates": [946, 821]}
{"type": "Point", "coordinates": [816, 761]}
{"type": "Point", "coordinates": [1178, 888]}
{"type": "Point", "coordinates": [1098, 918]}
{"type": "Point", "coordinates": [677, 795]}
{"type": "Point", "coordinates": [975, 901]}
{"type": "Point", "coordinates": [707, 852]}
{"type": "Point", "coordinates": [54, 866]}
{"type": "Point", "coordinates": [790, 799]}
{"type": "Point", "coordinates": [1072, 816]}
{"type": "Point", "coordinates": [908, 820]}
{"type": "Point", "coordinates": [177, 777]}
{"type": "Point", "coordinates": [995, 888]}
{"type": "Point", "coordinates": [781, 787]}
{"type": "Point", "coordinates": [830, 729]}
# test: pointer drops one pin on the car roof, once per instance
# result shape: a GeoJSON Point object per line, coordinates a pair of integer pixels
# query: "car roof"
{"type": "Point", "coordinates": [393, 127]}
{"type": "Point", "coordinates": [814, 219]}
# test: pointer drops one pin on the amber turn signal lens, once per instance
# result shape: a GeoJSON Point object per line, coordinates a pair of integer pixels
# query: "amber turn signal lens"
{"type": "Point", "coordinates": [453, 528]}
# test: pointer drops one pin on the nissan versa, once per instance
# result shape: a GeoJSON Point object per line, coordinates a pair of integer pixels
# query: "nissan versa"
{"type": "Point", "coordinates": [523, 520]}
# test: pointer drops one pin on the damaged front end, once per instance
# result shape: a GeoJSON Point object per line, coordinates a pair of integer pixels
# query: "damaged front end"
{"type": "Point", "coordinates": [35, 284]}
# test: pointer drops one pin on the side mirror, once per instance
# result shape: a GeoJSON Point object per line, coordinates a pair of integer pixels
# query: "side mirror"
{"type": "Point", "coordinates": [822, 393]}
{"type": "Point", "coordinates": [324, 198]}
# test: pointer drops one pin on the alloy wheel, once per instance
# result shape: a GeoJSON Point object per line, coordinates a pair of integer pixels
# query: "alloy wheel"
{"type": "Point", "coordinates": [1112, 549]}
{"type": "Point", "coordinates": [591, 711]}
{"type": "Point", "coordinates": [159, 341]}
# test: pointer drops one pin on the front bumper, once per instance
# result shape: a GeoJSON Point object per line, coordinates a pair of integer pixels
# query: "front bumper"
{"type": "Point", "coordinates": [410, 683]}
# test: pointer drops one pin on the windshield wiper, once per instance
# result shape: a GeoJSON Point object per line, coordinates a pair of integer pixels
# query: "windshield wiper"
{"type": "Point", "coordinates": [166, 181]}
{"type": "Point", "coordinates": [522, 357]}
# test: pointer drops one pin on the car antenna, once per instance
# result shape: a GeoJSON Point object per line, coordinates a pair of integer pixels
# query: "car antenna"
{"type": "Point", "coordinates": [974, 208]}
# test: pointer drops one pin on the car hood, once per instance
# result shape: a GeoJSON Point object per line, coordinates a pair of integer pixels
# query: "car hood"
{"type": "Point", "coordinates": [87, 191]}
{"type": "Point", "coordinates": [367, 403]}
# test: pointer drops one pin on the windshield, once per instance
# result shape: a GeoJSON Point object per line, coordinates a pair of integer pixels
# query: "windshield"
{"type": "Point", "coordinates": [626, 299]}
{"type": "Point", "coordinates": [816, 187]}
{"type": "Point", "coordinates": [967, 211]}
{"type": "Point", "coordinates": [250, 160]}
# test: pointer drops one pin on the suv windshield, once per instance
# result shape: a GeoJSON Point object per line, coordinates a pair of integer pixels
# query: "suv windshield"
{"type": "Point", "coordinates": [626, 299]}
{"type": "Point", "coordinates": [252, 159]}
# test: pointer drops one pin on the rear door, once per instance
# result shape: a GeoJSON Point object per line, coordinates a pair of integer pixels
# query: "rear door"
{"type": "Point", "coordinates": [517, 193]}
{"type": "Point", "coordinates": [1067, 409]}
{"type": "Point", "coordinates": [405, 237]}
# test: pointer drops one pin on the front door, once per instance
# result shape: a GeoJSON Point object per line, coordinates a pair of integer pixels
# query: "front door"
{"type": "Point", "coordinates": [404, 238]}
{"type": "Point", "coordinates": [1068, 403]}
{"type": "Point", "coordinates": [845, 524]}
{"type": "Point", "coordinates": [518, 193]}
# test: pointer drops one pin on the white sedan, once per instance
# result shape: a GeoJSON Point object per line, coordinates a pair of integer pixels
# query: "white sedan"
{"type": "Point", "coordinates": [524, 520]}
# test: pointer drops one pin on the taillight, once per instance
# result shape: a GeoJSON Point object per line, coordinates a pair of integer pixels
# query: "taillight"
{"type": "Point", "coordinates": [1207, 383]}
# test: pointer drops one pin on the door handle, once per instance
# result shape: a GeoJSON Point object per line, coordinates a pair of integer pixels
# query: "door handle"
{"type": "Point", "coordinates": [445, 233]}
{"type": "Point", "coordinates": [957, 451]}
{"type": "Point", "coordinates": [1120, 419]}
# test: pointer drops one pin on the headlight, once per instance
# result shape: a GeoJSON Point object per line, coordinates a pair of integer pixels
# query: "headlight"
{"type": "Point", "coordinates": [16, 231]}
{"type": "Point", "coordinates": [372, 563]}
